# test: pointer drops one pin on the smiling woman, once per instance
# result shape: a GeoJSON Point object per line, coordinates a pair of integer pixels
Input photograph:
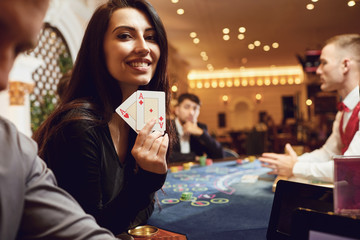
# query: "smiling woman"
{"type": "Point", "coordinates": [87, 145]}
{"type": "Point", "coordinates": [131, 49]}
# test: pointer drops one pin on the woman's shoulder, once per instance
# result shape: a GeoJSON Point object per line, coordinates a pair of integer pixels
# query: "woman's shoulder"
{"type": "Point", "coordinates": [79, 119]}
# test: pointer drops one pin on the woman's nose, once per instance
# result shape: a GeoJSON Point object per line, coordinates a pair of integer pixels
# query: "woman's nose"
{"type": "Point", "coordinates": [142, 47]}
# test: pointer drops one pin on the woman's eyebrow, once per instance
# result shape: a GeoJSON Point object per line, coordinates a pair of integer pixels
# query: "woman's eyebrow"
{"type": "Point", "coordinates": [132, 28]}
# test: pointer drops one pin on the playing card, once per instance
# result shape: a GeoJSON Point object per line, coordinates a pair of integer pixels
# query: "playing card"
{"type": "Point", "coordinates": [149, 105]}
{"type": "Point", "coordinates": [127, 110]}
{"type": "Point", "coordinates": [249, 178]}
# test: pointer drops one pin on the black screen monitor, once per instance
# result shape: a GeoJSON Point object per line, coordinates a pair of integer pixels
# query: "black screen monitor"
{"type": "Point", "coordinates": [288, 197]}
{"type": "Point", "coordinates": [308, 224]}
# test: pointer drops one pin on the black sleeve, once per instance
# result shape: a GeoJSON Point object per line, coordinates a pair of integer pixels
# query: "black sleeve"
{"type": "Point", "coordinates": [78, 157]}
{"type": "Point", "coordinates": [181, 157]}
{"type": "Point", "coordinates": [210, 146]}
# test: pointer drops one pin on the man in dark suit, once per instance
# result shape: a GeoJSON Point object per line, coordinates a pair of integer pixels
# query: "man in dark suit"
{"type": "Point", "coordinates": [193, 138]}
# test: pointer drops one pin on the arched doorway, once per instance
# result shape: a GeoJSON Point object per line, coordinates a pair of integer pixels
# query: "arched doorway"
{"type": "Point", "coordinates": [242, 114]}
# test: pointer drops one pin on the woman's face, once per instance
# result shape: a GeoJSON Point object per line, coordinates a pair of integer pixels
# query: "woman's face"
{"type": "Point", "coordinates": [131, 50]}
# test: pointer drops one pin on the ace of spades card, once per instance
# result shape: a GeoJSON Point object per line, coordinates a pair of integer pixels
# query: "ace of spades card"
{"type": "Point", "coordinates": [141, 107]}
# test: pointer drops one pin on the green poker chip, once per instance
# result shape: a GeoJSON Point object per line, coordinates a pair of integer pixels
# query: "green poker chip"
{"type": "Point", "coordinates": [185, 196]}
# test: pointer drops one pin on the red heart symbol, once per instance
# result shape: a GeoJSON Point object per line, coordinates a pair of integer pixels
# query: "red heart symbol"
{"type": "Point", "coordinates": [125, 114]}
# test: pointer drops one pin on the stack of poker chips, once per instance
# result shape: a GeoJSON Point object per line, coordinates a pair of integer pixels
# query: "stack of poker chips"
{"type": "Point", "coordinates": [174, 169]}
{"type": "Point", "coordinates": [209, 162]}
{"type": "Point", "coordinates": [187, 166]}
{"type": "Point", "coordinates": [186, 196]}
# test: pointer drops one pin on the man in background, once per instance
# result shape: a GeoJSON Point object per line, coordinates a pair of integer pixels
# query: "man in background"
{"type": "Point", "coordinates": [31, 205]}
{"type": "Point", "coordinates": [193, 138]}
{"type": "Point", "coordinates": [339, 71]}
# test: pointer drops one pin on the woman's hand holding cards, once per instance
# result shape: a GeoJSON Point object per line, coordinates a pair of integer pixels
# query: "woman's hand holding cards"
{"type": "Point", "coordinates": [150, 149]}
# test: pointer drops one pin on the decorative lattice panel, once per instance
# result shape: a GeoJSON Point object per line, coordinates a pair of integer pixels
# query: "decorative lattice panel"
{"type": "Point", "coordinates": [53, 50]}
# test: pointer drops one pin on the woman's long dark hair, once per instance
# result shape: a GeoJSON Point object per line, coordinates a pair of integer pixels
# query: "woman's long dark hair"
{"type": "Point", "coordinates": [93, 94]}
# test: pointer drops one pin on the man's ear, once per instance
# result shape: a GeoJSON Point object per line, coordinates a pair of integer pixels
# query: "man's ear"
{"type": "Point", "coordinates": [346, 65]}
{"type": "Point", "coordinates": [176, 110]}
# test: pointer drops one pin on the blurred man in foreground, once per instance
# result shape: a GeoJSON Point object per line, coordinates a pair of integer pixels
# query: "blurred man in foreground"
{"type": "Point", "coordinates": [31, 205]}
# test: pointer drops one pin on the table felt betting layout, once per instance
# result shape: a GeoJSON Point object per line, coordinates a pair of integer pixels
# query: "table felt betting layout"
{"type": "Point", "coordinates": [228, 202]}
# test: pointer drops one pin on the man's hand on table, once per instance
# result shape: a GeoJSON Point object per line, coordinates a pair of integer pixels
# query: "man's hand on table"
{"type": "Point", "coordinates": [281, 164]}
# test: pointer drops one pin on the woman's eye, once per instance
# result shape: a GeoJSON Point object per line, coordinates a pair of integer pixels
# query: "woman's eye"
{"type": "Point", "coordinates": [124, 36]}
{"type": "Point", "coordinates": [151, 38]}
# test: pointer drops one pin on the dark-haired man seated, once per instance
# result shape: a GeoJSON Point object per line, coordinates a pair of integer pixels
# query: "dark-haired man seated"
{"type": "Point", "coordinates": [193, 138]}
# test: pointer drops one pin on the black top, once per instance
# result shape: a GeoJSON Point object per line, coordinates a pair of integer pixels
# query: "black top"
{"type": "Point", "coordinates": [198, 146]}
{"type": "Point", "coordinates": [86, 164]}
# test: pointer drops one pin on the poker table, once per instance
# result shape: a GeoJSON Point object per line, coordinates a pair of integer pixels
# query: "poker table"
{"type": "Point", "coordinates": [229, 201]}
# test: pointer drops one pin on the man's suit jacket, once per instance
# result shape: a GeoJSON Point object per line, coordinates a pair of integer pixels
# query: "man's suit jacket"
{"type": "Point", "coordinates": [198, 146]}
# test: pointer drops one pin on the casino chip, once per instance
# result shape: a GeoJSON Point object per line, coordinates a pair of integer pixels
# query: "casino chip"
{"type": "Point", "coordinates": [186, 196]}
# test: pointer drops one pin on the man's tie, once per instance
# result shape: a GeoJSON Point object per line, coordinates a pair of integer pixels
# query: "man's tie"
{"type": "Point", "coordinates": [342, 107]}
{"type": "Point", "coordinates": [351, 127]}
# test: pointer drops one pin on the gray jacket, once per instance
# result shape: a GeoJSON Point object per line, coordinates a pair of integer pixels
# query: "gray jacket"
{"type": "Point", "coordinates": [31, 205]}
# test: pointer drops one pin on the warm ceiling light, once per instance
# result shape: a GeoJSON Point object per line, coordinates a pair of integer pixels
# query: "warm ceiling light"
{"type": "Point", "coordinates": [266, 48]}
{"type": "Point", "coordinates": [226, 37]}
{"type": "Point", "coordinates": [290, 80]}
{"type": "Point", "coordinates": [251, 46]}
{"type": "Point", "coordinates": [207, 84]}
{"type": "Point", "coordinates": [193, 34]}
{"type": "Point", "coordinates": [174, 1]}
{"type": "Point", "coordinates": [241, 36]}
{"type": "Point", "coordinates": [229, 83]}
{"type": "Point", "coordinates": [221, 84]}
{"type": "Point", "coordinates": [260, 82]}
{"type": "Point", "coordinates": [205, 58]}
{"type": "Point", "coordinates": [236, 82]}
{"type": "Point", "coordinates": [275, 81]}
{"type": "Point", "coordinates": [242, 29]}
{"type": "Point", "coordinates": [199, 85]}
{"type": "Point", "coordinates": [308, 102]}
{"type": "Point", "coordinates": [258, 96]}
{"type": "Point", "coordinates": [267, 81]}
{"type": "Point", "coordinates": [310, 6]}
{"type": "Point", "coordinates": [275, 45]}
{"type": "Point", "coordinates": [257, 43]}
{"type": "Point", "coordinates": [214, 84]}
{"type": "Point", "coordinates": [225, 98]}
{"type": "Point", "coordinates": [314, 0]}
{"type": "Point", "coordinates": [252, 82]}
{"type": "Point", "coordinates": [244, 83]}
{"type": "Point", "coordinates": [174, 88]}
{"type": "Point", "coordinates": [297, 80]}
{"type": "Point", "coordinates": [283, 81]}
{"type": "Point", "coordinates": [226, 31]}
{"type": "Point", "coordinates": [180, 11]}
{"type": "Point", "coordinates": [196, 40]}
{"type": "Point", "coordinates": [192, 85]}
{"type": "Point", "coordinates": [210, 67]}
{"type": "Point", "coordinates": [351, 3]}
{"type": "Point", "coordinates": [203, 54]}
